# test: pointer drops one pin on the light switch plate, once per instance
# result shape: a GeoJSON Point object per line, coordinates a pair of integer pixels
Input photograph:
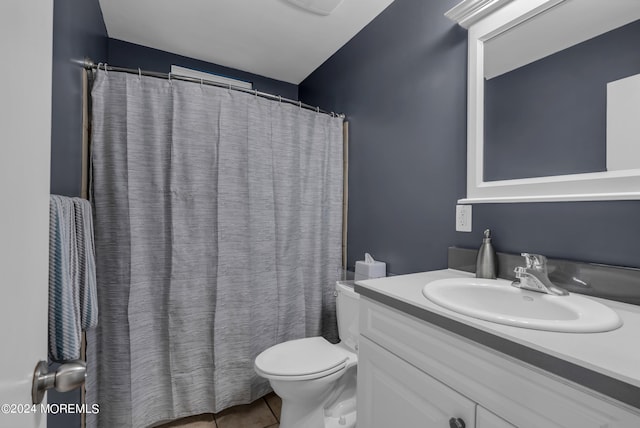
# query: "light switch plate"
{"type": "Point", "coordinates": [463, 218]}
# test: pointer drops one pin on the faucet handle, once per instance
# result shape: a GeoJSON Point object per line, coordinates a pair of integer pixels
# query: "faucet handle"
{"type": "Point", "coordinates": [535, 261]}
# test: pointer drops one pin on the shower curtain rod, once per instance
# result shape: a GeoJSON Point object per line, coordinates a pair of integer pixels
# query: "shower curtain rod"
{"type": "Point", "coordinates": [90, 65]}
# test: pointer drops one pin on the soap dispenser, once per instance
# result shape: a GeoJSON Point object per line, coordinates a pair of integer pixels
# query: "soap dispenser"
{"type": "Point", "coordinates": [487, 261]}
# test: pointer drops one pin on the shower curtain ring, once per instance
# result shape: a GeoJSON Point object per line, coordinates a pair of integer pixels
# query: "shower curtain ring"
{"type": "Point", "coordinates": [299, 104]}
{"type": "Point", "coordinates": [317, 109]}
{"type": "Point", "coordinates": [280, 99]}
{"type": "Point", "coordinates": [105, 69]}
{"type": "Point", "coordinates": [201, 82]}
{"type": "Point", "coordinates": [255, 92]}
{"type": "Point", "coordinates": [139, 74]}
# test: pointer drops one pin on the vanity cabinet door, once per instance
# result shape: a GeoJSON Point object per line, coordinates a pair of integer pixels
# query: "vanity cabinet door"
{"type": "Point", "coordinates": [393, 393]}
{"type": "Point", "coordinates": [486, 419]}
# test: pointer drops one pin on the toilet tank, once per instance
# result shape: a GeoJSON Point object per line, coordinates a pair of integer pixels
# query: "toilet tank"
{"type": "Point", "coordinates": [347, 308]}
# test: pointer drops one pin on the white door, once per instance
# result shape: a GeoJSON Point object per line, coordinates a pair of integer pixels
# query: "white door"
{"type": "Point", "coordinates": [25, 143]}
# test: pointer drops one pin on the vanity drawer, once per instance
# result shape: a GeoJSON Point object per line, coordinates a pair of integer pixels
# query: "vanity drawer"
{"type": "Point", "coordinates": [523, 395]}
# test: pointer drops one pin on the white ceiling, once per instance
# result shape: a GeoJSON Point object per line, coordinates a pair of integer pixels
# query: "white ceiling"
{"type": "Point", "coordinates": [271, 38]}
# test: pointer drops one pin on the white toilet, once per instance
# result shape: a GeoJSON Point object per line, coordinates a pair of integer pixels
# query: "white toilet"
{"type": "Point", "coordinates": [315, 379]}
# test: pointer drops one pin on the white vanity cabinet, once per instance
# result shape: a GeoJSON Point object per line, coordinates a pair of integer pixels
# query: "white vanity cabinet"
{"type": "Point", "coordinates": [486, 419]}
{"type": "Point", "coordinates": [414, 374]}
{"type": "Point", "coordinates": [396, 394]}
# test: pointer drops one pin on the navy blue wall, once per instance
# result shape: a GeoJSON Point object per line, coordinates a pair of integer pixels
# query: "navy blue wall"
{"type": "Point", "coordinates": [78, 32]}
{"type": "Point", "coordinates": [124, 54]}
{"type": "Point", "coordinates": [402, 83]}
{"type": "Point", "coordinates": [551, 115]}
{"type": "Point", "coordinates": [601, 232]}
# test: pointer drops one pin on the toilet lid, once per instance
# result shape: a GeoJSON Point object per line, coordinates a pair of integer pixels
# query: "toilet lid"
{"type": "Point", "coordinates": [302, 357]}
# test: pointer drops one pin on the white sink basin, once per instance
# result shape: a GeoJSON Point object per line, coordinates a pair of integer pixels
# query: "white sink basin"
{"type": "Point", "coordinates": [497, 301]}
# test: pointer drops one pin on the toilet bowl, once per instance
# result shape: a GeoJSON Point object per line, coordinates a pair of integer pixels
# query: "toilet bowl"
{"type": "Point", "coordinates": [315, 379]}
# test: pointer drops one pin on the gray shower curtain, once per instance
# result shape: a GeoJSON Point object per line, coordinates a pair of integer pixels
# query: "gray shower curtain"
{"type": "Point", "coordinates": [218, 221]}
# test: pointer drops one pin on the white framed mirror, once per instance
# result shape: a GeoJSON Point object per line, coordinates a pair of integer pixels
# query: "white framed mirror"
{"type": "Point", "coordinates": [515, 37]}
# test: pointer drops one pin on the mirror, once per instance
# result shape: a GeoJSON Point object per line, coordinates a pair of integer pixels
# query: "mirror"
{"type": "Point", "coordinates": [556, 104]}
{"type": "Point", "coordinates": [550, 110]}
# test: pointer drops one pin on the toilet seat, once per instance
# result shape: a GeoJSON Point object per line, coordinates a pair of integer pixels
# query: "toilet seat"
{"type": "Point", "coordinates": [302, 359]}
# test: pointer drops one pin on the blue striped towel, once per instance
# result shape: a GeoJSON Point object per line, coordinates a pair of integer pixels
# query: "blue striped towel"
{"type": "Point", "coordinates": [72, 282]}
{"type": "Point", "coordinates": [86, 264]}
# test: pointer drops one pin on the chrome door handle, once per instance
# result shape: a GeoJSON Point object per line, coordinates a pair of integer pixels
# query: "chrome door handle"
{"type": "Point", "coordinates": [67, 377]}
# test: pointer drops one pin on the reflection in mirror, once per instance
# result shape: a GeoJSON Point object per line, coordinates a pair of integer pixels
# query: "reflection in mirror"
{"type": "Point", "coordinates": [623, 124]}
{"type": "Point", "coordinates": [558, 92]}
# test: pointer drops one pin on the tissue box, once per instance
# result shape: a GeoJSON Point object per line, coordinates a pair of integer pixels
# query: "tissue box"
{"type": "Point", "coordinates": [370, 268]}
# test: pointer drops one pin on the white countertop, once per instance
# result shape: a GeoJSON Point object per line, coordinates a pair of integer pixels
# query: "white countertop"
{"type": "Point", "coordinates": [614, 353]}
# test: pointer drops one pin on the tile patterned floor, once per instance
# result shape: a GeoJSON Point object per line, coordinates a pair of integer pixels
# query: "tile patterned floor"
{"type": "Point", "coordinates": [262, 413]}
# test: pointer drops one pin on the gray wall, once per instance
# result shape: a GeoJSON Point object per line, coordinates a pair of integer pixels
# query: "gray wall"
{"type": "Point", "coordinates": [402, 83]}
{"type": "Point", "coordinates": [124, 54]}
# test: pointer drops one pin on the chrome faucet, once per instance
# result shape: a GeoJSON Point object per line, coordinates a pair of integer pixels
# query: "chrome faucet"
{"type": "Point", "coordinates": [534, 276]}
